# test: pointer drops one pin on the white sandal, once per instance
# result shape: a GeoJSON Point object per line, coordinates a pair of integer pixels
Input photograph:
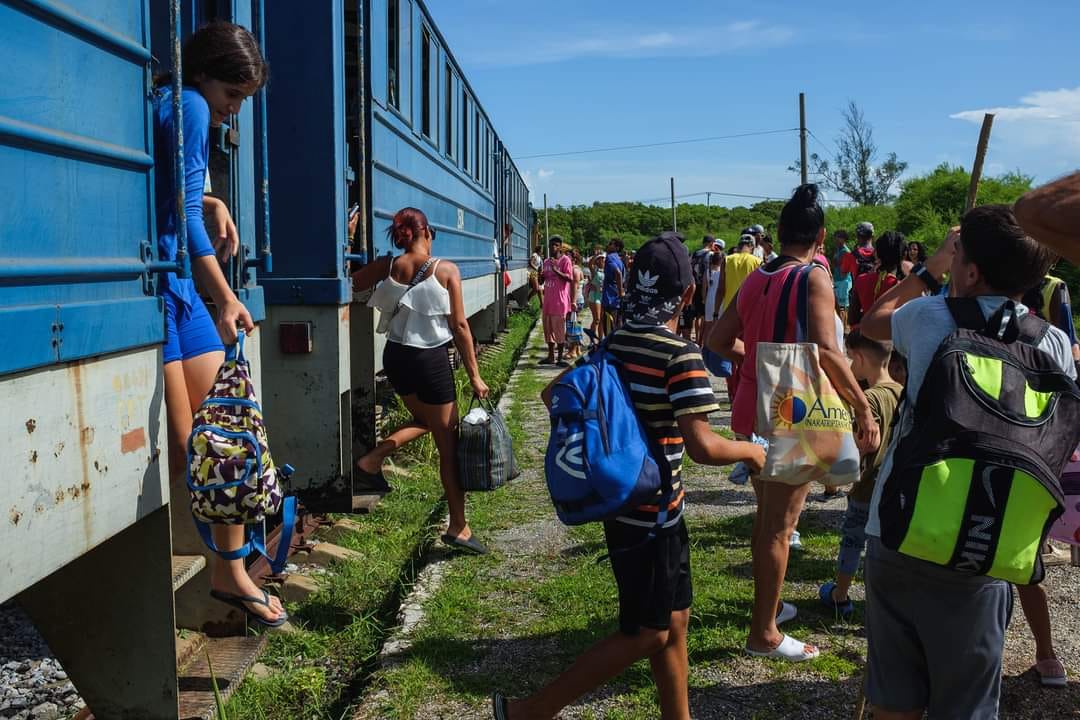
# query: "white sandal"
{"type": "Point", "coordinates": [788, 649]}
{"type": "Point", "coordinates": [787, 612]}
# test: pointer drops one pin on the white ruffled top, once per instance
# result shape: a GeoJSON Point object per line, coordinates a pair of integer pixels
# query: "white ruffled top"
{"type": "Point", "coordinates": [423, 321]}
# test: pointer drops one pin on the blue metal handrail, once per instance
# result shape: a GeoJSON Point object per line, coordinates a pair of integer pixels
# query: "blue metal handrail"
{"type": "Point", "coordinates": [265, 261]}
{"type": "Point", "coordinates": [183, 264]}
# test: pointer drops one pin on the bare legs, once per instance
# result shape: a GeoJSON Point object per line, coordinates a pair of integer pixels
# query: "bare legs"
{"type": "Point", "coordinates": [666, 650]}
{"type": "Point", "coordinates": [186, 384]}
{"type": "Point", "coordinates": [441, 421]}
{"type": "Point", "coordinates": [1037, 612]}
{"type": "Point", "coordinates": [778, 511]}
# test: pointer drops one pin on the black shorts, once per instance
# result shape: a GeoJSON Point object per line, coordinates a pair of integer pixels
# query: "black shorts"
{"type": "Point", "coordinates": [653, 579]}
{"type": "Point", "coordinates": [423, 372]}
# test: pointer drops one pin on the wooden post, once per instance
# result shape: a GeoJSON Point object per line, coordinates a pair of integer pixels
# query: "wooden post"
{"type": "Point", "coordinates": [980, 155]}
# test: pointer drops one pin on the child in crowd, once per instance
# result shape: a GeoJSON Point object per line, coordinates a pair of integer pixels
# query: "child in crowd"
{"type": "Point", "coordinates": [870, 364]}
{"type": "Point", "coordinates": [670, 389]}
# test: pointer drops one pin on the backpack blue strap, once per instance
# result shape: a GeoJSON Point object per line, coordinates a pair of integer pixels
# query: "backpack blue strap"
{"type": "Point", "coordinates": [236, 350]}
{"type": "Point", "coordinates": [288, 524]}
{"type": "Point", "coordinates": [255, 538]}
{"type": "Point", "coordinates": [241, 552]}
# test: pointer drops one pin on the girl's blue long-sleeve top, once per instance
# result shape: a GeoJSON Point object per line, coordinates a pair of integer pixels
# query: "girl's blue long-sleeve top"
{"type": "Point", "coordinates": [196, 155]}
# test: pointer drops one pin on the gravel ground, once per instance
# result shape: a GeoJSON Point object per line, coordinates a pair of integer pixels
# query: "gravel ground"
{"type": "Point", "coordinates": [741, 687]}
{"type": "Point", "coordinates": [33, 686]}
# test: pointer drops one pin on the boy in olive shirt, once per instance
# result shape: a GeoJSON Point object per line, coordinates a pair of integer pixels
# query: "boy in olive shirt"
{"type": "Point", "coordinates": [870, 363]}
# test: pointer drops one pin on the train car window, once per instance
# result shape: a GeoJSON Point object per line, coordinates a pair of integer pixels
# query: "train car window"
{"type": "Point", "coordinates": [393, 56]}
{"type": "Point", "coordinates": [425, 83]}
{"type": "Point", "coordinates": [476, 134]}
{"type": "Point", "coordinates": [465, 131]}
{"type": "Point", "coordinates": [449, 90]}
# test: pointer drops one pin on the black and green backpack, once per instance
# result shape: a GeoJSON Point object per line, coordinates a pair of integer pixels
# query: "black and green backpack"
{"type": "Point", "coordinates": [975, 484]}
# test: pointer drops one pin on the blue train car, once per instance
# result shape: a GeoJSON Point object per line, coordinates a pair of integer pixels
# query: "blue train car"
{"type": "Point", "coordinates": [366, 107]}
{"type": "Point", "coordinates": [369, 108]}
{"type": "Point", "coordinates": [87, 489]}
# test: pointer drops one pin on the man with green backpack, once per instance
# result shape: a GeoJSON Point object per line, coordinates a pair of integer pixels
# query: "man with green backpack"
{"type": "Point", "coordinates": [970, 481]}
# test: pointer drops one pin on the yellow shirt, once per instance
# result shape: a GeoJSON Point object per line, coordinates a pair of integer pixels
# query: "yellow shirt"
{"type": "Point", "coordinates": [737, 268]}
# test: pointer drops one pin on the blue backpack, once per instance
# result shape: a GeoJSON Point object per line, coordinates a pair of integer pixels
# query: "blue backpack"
{"type": "Point", "coordinates": [600, 462]}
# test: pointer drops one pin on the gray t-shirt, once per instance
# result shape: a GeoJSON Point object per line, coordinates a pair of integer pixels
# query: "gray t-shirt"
{"type": "Point", "coordinates": [918, 328]}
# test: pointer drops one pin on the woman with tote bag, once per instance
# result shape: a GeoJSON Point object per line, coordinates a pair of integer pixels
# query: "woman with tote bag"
{"type": "Point", "coordinates": [783, 321]}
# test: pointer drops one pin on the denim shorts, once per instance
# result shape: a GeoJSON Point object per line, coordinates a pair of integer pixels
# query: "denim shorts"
{"type": "Point", "coordinates": [852, 537]}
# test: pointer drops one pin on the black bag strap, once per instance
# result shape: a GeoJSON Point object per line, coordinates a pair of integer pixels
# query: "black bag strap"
{"type": "Point", "coordinates": [416, 279]}
{"type": "Point", "coordinates": [800, 274]}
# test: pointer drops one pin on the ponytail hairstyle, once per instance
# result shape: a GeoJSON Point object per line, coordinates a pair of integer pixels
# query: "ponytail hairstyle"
{"type": "Point", "coordinates": [222, 51]}
{"type": "Point", "coordinates": [802, 218]}
{"type": "Point", "coordinates": [407, 227]}
{"type": "Point", "coordinates": [891, 248]}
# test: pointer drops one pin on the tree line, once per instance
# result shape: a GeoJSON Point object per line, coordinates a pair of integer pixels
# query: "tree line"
{"type": "Point", "coordinates": [924, 209]}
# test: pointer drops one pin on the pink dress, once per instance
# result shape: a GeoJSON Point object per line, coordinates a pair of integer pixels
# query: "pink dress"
{"type": "Point", "coordinates": [557, 290]}
{"type": "Point", "coordinates": [758, 303]}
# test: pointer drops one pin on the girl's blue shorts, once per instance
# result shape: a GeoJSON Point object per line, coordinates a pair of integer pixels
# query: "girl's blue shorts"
{"type": "Point", "coordinates": [189, 331]}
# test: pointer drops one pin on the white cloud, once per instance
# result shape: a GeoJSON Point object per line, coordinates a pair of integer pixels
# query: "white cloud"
{"type": "Point", "coordinates": [1044, 118]}
{"type": "Point", "coordinates": [614, 43]}
{"type": "Point", "coordinates": [544, 174]}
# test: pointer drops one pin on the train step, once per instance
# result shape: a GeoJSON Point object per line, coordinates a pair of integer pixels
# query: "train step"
{"type": "Point", "coordinates": [185, 567]}
{"type": "Point", "coordinates": [230, 657]}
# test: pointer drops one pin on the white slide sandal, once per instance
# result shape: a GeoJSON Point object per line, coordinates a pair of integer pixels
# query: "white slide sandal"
{"type": "Point", "coordinates": [787, 612]}
{"type": "Point", "coordinates": [789, 649]}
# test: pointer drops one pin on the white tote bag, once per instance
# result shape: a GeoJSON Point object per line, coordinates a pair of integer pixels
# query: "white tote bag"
{"type": "Point", "coordinates": [799, 412]}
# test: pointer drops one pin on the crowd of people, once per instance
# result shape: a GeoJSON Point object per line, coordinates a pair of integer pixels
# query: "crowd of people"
{"type": "Point", "coordinates": [877, 311]}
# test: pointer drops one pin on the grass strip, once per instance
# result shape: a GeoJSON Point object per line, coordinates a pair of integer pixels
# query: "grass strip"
{"type": "Point", "coordinates": [339, 630]}
{"type": "Point", "coordinates": [512, 621]}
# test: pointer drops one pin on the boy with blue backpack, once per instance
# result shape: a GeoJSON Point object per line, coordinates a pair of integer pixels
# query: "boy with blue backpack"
{"type": "Point", "coordinates": [670, 398]}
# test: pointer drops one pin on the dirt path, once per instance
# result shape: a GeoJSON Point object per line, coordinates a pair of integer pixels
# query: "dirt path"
{"type": "Point", "coordinates": [513, 619]}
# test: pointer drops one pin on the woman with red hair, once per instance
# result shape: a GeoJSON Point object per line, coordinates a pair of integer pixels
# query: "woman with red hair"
{"type": "Point", "coordinates": [421, 312]}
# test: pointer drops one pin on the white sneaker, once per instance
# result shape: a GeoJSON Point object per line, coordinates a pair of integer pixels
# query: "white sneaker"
{"type": "Point", "coordinates": [796, 543]}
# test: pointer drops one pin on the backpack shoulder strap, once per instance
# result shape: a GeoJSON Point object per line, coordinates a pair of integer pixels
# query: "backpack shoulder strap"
{"type": "Point", "coordinates": [1033, 330]}
{"type": "Point", "coordinates": [966, 313]}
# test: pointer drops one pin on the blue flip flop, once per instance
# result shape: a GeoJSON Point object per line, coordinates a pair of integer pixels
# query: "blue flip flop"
{"type": "Point", "coordinates": [499, 703]}
{"type": "Point", "coordinates": [237, 601]}
{"type": "Point", "coordinates": [844, 609]}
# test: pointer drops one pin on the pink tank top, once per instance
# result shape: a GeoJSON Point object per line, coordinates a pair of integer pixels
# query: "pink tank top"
{"type": "Point", "coordinates": [758, 304]}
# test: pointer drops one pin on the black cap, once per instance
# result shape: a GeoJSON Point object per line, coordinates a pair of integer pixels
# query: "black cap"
{"type": "Point", "coordinates": [660, 276]}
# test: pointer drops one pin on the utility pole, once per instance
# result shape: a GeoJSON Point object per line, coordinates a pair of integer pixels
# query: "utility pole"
{"type": "Point", "coordinates": [708, 198]}
{"type": "Point", "coordinates": [802, 136]}
{"type": "Point", "coordinates": [547, 231]}
{"type": "Point", "coordinates": [674, 219]}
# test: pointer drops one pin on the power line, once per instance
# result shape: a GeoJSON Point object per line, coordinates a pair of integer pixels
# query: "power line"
{"type": "Point", "coordinates": [819, 142]}
{"type": "Point", "coordinates": [657, 144]}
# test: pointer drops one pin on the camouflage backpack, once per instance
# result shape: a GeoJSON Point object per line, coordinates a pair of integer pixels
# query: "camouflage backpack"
{"type": "Point", "coordinates": [231, 475]}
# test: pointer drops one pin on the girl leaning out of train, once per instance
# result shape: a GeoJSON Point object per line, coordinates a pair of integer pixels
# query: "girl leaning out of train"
{"type": "Point", "coordinates": [421, 311]}
{"type": "Point", "coordinates": [222, 66]}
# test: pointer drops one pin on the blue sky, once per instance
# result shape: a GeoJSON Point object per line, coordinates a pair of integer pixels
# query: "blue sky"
{"type": "Point", "coordinates": [563, 75]}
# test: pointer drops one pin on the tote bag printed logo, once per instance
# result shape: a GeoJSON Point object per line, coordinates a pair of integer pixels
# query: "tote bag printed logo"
{"type": "Point", "coordinates": [788, 409]}
{"type": "Point", "coordinates": [807, 424]}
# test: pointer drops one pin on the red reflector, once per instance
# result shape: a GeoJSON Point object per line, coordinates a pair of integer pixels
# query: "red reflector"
{"type": "Point", "coordinates": [295, 337]}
